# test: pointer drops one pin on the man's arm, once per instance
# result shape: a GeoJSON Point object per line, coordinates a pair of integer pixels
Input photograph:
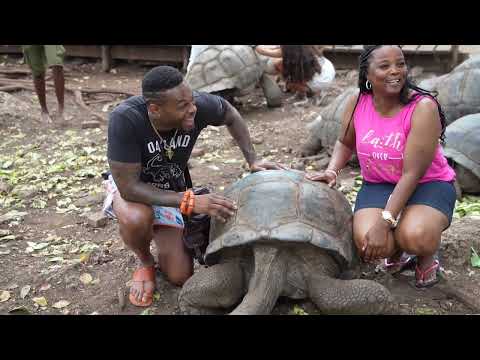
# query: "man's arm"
{"type": "Point", "coordinates": [239, 131]}
{"type": "Point", "coordinates": [127, 179]}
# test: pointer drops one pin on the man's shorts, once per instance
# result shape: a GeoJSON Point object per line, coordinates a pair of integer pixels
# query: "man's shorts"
{"type": "Point", "coordinates": [165, 216]}
{"type": "Point", "coordinates": [41, 57]}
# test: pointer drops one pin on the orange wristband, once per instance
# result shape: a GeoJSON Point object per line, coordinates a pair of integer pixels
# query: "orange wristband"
{"type": "Point", "coordinates": [185, 202]}
{"type": "Point", "coordinates": [191, 204]}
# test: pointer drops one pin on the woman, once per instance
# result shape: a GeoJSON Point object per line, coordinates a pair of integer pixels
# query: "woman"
{"type": "Point", "coordinates": [395, 128]}
{"type": "Point", "coordinates": [305, 70]}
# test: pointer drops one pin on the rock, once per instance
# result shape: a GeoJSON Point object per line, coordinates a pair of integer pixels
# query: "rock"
{"type": "Point", "coordinates": [192, 163]}
{"type": "Point", "coordinates": [322, 163]}
{"type": "Point", "coordinates": [196, 152]}
{"type": "Point", "coordinates": [298, 166]}
{"type": "Point", "coordinates": [258, 140]}
{"type": "Point", "coordinates": [90, 124]}
{"type": "Point", "coordinates": [13, 110]}
{"type": "Point", "coordinates": [347, 185]}
{"type": "Point", "coordinates": [5, 187]}
{"type": "Point", "coordinates": [89, 200]}
{"type": "Point", "coordinates": [97, 220]}
{"type": "Point", "coordinates": [25, 193]}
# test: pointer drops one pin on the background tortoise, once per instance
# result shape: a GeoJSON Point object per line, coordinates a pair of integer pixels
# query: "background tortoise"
{"type": "Point", "coordinates": [462, 145]}
{"type": "Point", "coordinates": [325, 129]}
{"type": "Point", "coordinates": [459, 90]}
{"type": "Point", "coordinates": [289, 237]}
{"type": "Point", "coordinates": [232, 70]}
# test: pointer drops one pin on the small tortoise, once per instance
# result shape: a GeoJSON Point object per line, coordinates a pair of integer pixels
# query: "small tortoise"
{"type": "Point", "coordinates": [289, 237]}
{"type": "Point", "coordinates": [462, 145]}
{"type": "Point", "coordinates": [232, 70]}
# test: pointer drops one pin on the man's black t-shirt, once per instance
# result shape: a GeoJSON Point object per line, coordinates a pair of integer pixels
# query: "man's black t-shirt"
{"type": "Point", "coordinates": [131, 139]}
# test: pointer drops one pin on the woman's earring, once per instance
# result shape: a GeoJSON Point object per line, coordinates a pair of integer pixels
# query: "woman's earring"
{"type": "Point", "coordinates": [368, 85]}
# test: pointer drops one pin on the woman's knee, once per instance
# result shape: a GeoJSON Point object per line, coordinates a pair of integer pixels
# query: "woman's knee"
{"type": "Point", "coordinates": [418, 239]}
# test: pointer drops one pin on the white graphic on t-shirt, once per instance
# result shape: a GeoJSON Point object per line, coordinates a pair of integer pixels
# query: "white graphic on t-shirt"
{"type": "Point", "coordinates": [181, 141]}
{"type": "Point", "coordinates": [392, 140]}
{"type": "Point", "coordinates": [162, 171]}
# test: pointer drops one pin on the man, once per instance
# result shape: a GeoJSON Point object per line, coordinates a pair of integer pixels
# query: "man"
{"type": "Point", "coordinates": [40, 58]}
{"type": "Point", "coordinates": [150, 139]}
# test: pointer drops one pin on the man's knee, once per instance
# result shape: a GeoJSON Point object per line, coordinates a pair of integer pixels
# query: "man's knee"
{"type": "Point", "coordinates": [178, 277]}
{"type": "Point", "coordinates": [137, 219]}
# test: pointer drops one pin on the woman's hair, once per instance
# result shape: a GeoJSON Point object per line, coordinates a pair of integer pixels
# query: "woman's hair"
{"type": "Point", "coordinates": [299, 63]}
{"type": "Point", "coordinates": [405, 94]}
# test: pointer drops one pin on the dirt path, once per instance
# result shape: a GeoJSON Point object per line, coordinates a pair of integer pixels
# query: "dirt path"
{"type": "Point", "coordinates": [51, 254]}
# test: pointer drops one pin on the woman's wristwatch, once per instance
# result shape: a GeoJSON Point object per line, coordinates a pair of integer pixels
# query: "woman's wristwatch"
{"type": "Point", "coordinates": [388, 217]}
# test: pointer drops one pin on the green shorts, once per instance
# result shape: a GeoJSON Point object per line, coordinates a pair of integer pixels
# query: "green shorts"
{"type": "Point", "coordinates": [41, 57]}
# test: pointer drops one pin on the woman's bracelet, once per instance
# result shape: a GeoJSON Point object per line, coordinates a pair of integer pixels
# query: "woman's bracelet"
{"type": "Point", "coordinates": [334, 172]}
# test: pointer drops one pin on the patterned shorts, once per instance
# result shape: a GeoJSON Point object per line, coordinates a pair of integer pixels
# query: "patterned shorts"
{"type": "Point", "coordinates": [166, 216]}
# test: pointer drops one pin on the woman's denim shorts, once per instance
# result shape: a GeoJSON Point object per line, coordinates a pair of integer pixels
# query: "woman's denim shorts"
{"type": "Point", "coordinates": [439, 195]}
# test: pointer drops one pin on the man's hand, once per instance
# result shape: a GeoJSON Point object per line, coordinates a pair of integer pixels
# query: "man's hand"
{"type": "Point", "coordinates": [214, 205]}
{"type": "Point", "coordinates": [260, 165]}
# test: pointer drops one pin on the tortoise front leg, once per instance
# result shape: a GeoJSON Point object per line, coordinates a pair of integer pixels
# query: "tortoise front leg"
{"type": "Point", "coordinates": [334, 296]}
{"type": "Point", "coordinates": [212, 290]}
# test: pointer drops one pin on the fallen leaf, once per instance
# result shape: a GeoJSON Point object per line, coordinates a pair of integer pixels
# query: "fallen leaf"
{"type": "Point", "coordinates": [86, 278]}
{"type": "Point", "coordinates": [40, 301]}
{"type": "Point", "coordinates": [84, 258]}
{"type": "Point", "coordinates": [297, 310]}
{"type": "Point", "coordinates": [56, 259]}
{"type": "Point", "coordinates": [147, 312]}
{"type": "Point", "coordinates": [61, 304]}
{"type": "Point", "coordinates": [475, 259]}
{"type": "Point", "coordinates": [12, 215]}
{"type": "Point", "coordinates": [156, 296]}
{"type": "Point", "coordinates": [19, 310]}
{"type": "Point", "coordinates": [7, 238]}
{"type": "Point", "coordinates": [5, 232]}
{"type": "Point", "coordinates": [45, 287]}
{"type": "Point", "coordinates": [24, 291]}
{"type": "Point", "coordinates": [4, 296]}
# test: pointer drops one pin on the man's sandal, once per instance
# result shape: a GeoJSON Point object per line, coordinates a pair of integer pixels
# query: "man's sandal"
{"type": "Point", "coordinates": [143, 274]}
{"type": "Point", "coordinates": [428, 277]}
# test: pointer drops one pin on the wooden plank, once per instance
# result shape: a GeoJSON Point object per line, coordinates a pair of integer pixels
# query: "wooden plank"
{"type": "Point", "coordinates": [90, 51]}
{"type": "Point", "coordinates": [170, 54]}
{"type": "Point", "coordinates": [10, 49]}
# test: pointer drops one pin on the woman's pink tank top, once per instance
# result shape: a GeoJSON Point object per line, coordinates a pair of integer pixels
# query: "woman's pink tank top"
{"type": "Point", "coordinates": [380, 144]}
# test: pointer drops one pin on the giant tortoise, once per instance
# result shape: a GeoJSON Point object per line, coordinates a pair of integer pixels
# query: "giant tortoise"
{"type": "Point", "coordinates": [325, 129]}
{"type": "Point", "coordinates": [459, 90]}
{"type": "Point", "coordinates": [462, 145]}
{"type": "Point", "coordinates": [232, 70]}
{"type": "Point", "coordinates": [289, 237]}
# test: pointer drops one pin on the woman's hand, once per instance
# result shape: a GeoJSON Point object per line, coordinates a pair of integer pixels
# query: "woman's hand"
{"type": "Point", "coordinates": [376, 241]}
{"type": "Point", "coordinates": [323, 176]}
